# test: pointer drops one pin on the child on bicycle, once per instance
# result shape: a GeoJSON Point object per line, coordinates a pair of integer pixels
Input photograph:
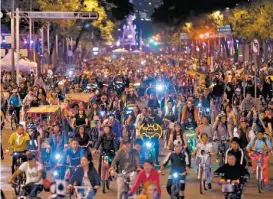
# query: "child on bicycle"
{"type": "Point", "coordinates": [204, 148]}
{"type": "Point", "coordinates": [260, 144]}
{"type": "Point", "coordinates": [180, 164]}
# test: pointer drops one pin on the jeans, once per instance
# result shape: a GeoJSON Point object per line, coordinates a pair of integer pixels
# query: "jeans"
{"type": "Point", "coordinates": [82, 193]}
{"type": "Point", "coordinates": [120, 182]}
{"type": "Point", "coordinates": [35, 190]}
{"type": "Point", "coordinates": [207, 169]}
{"type": "Point", "coordinates": [182, 182]}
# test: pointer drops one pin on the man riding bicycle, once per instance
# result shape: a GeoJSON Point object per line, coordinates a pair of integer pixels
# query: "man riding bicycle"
{"type": "Point", "coordinates": [180, 164]}
{"type": "Point", "coordinates": [18, 143]}
{"type": "Point", "coordinates": [33, 170]}
{"type": "Point", "coordinates": [126, 160]}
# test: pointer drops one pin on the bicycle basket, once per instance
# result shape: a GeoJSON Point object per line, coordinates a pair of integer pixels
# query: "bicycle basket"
{"type": "Point", "coordinates": [228, 188]}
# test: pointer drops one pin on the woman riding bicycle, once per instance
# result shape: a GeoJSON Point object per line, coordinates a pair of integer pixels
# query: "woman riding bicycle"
{"type": "Point", "coordinates": [260, 144]}
{"type": "Point", "coordinates": [86, 176]}
{"type": "Point", "coordinates": [80, 118]}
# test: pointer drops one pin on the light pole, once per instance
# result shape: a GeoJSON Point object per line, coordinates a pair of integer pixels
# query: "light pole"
{"type": "Point", "coordinates": [12, 42]}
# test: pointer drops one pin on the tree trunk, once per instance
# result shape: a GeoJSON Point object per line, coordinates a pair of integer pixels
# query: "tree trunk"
{"type": "Point", "coordinates": [78, 40]}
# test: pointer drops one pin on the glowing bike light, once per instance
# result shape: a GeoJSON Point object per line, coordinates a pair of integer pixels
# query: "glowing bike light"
{"type": "Point", "coordinates": [199, 105]}
{"type": "Point", "coordinates": [57, 156]}
{"type": "Point", "coordinates": [159, 87]}
{"type": "Point", "coordinates": [175, 175]}
{"type": "Point", "coordinates": [55, 173]}
{"type": "Point", "coordinates": [148, 144]}
{"type": "Point", "coordinates": [207, 109]}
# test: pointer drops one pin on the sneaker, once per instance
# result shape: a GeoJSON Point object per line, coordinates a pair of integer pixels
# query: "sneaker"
{"type": "Point", "coordinates": [209, 185]}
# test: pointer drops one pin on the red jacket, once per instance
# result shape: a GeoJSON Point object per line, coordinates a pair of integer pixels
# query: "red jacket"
{"type": "Point", "coordinates": [142, 178]}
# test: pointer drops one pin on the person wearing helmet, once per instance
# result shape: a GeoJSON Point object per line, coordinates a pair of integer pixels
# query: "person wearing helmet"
{"type": "Point", "coordinates": [260, 145]}
{"type": "Point", "coordinates": [33, 134]}
{"type": "Point", "coordinates": [15, 103]}
{"type": "Point", "coordinates": [180, 164]}
{"type": "Point", "coordinates": [243, 133]}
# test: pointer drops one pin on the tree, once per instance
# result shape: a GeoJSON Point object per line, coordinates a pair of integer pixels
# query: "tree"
{"type": "Point", "coordinates": [253, 20]}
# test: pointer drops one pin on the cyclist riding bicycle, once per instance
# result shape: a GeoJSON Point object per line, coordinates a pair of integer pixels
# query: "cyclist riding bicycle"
{"type": "Point", "coordinates": [126, 160]}
{"type": "Point", "coordinates": [148, 174]}
{"type": "Point", "coordinates": [107, 144]}
{"type": "Point", "coordinates": [16, 103]}
{"type": "Point", "coordinates": [237, 151]}
{"type": "Point", "coordinates": [233, 172]}
{"type": "Point", "coordinates": [261, 144]}
{"type": "Point", "coordinates": [180, 164]}
{"type": "Point", "coordinates": [86, 176]}
{"type": "Point", "coordinates": [33, 170]}
{"type": "Point", "coordinates": [189, 116]}
{"type": "Point", "coordinates": [204, 147]}
{"type": "Point", "coordinates": [18, 143]}
{"type": "Point", "coordinates": [75, 153]}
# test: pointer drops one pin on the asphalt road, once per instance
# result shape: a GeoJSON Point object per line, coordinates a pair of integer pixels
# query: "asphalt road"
{"type": "Point", "coordinates": [192, 185]}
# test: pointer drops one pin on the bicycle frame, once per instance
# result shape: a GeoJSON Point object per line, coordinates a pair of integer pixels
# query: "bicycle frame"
{"type": "Point", "coordinates": [259, 166]}
{"type": "Point", "coordinates": [105, 166]}
{"type": "Point", "coordinates": [202, 163]}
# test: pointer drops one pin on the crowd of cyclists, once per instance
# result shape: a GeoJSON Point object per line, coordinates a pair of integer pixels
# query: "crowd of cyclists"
{"type": "Point", "coordinates": [217, 120]}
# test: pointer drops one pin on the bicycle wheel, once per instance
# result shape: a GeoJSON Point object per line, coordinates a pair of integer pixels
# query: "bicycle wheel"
{"type": "Point", "coordinates": [123, 195]}
{"type": "Point", "coordinates": [259, 180]}
{"type": "Point", "coordinates": [103, 181]}
{"type": "Point", "coordinates": [13, 122]}
{"type": "Point", "coordinates": [201, 180]}
{"type": "Point", "coordinates": [107, 182]}
{"type": "Point", "coordinates": [174, 192]}
{"type": "Point", "coordinates": [19, 180]}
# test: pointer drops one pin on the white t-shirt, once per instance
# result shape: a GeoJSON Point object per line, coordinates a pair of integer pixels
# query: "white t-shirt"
{"type": "Point", "coordinates": [85, 180]}
{"type": "Point", "coordinates": [207, 148]}
{"type": "Point", "coordinates": [32, 174]}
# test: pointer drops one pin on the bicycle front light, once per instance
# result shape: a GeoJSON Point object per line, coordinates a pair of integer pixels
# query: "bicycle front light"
{"type": "Point", "coordinates": [55, 173]}
{"type": "Point", "coordinates": [57, 156]}
{"type": "Point", "coordinates": [207, 109]}
{"type": "Point", "coordinates": [148, 144]}
{"type": "Point", "coordinates": [175, 175]}
{"type": "Point", "coordinates": [199, 104]}
{"type": "Point", "coordinates": [159, 87]}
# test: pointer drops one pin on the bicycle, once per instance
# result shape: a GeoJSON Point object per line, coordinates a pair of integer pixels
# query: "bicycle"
{"type": "Point", "coordinates": [221, 151]}
{"type": "Point", "coordinates": [202, 170]}
{"type": "Point", "coordinates": [81, 192]}
{"type": "Point", "coordinates": [150, 151]}
{"type": "Point", "coordinates": [175, 188]}
{"type": "Point", "coordinates": [86, 148]}
{"type": "Point", "coordinates": [20, 179]}
{"type": "Point", "coordinates": [25, 190]}
{"type": "Point", "coordinates": [127, 181]}
{"type": "Point", "coordinates": [259, 170]}
{"type": "Point", "coordinates": [13, 119]}
{"type": "Point", "coordinates": [105, 170]}
{"type": "Point", "coordinates": [58, 173]}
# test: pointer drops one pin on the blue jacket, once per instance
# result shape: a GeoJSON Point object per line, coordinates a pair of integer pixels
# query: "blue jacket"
{"type": "Point", "coordinates": [57, 142]}
{"type": "Point", "coordinates": [117, 129]}
{"type": "Point", "coordinates": [15, 101]}
{"type": "Point", "coordinates": [75, 158]}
